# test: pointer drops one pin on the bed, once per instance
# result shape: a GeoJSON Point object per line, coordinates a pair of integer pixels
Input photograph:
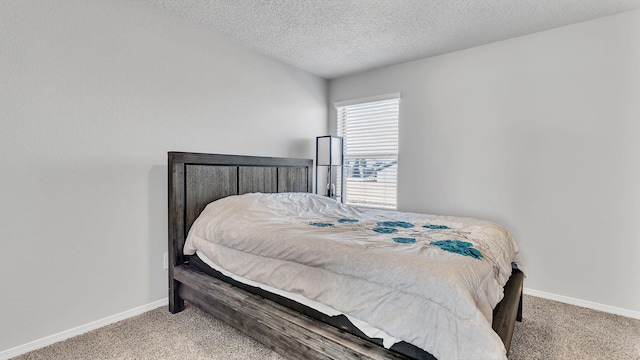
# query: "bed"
{"type": "Point", "coordinates": [288, 326]}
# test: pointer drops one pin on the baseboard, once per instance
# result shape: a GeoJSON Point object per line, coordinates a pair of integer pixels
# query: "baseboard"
{"type": "Point", "coordinates": [584, 303]}
{"type": "Point", "coordinates": [51, 339]}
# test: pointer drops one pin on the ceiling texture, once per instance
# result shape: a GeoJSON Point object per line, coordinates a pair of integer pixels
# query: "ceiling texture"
{"type": "Point", "coordinates": [334, 38]}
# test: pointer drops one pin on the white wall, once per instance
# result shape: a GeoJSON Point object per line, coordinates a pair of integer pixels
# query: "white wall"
{"type": "Point", "coordinates": [92, 96]}
{"type": "Point", "coordinates": [539, 133]}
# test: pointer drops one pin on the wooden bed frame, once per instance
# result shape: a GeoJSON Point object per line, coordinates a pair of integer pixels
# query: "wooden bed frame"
{"type": "Point", "coordinates": [196, 179]}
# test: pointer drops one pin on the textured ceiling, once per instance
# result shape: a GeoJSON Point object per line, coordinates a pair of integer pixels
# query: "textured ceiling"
{"type": "Point", "coordinates": [333, 38]}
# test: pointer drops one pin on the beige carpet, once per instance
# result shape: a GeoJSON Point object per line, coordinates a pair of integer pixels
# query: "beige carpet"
{"type": "Point", "coordinates": [550, 330]}
{"type": "Point", "coordinates": [554, 330]}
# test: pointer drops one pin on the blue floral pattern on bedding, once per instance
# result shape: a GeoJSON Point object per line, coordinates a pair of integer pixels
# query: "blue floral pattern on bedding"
{"type": "Point", "coordinates": [321, 224]}
{"type": "Point", "coordinates": [404, 240]}
{"type": "Point", "coordinates": [385, 230]}
{"type": "Point", "coordinates": [395, 224]}
{"type": "Point", "coordinates": [458, 247]}
{"type": "Point", "coordinates": [409, 234]}
{"type": "Point", "coordinates": [435, 227]}
{"type": "Point", "coordinates": [348, 221]}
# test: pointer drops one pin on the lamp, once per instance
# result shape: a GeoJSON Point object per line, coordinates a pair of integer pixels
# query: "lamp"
{"type": "Point", "coordinates": [329, 165]}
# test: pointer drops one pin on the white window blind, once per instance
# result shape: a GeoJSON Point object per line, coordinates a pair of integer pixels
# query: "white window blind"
{"type": "Point", "coordinates": [370, 132]}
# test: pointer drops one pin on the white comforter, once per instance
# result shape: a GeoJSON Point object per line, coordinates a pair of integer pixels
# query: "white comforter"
{"type": "Point", "coordinates": [392, 270]}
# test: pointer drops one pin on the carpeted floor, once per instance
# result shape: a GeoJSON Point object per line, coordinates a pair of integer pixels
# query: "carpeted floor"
{"type": "Point", "coordinates": [554, 330]}
{"type": "Point", "coordinates": [550, 330]}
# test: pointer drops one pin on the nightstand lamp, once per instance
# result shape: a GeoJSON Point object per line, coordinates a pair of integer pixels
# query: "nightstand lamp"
{"type": "Point", "coordinates": [329, 166]}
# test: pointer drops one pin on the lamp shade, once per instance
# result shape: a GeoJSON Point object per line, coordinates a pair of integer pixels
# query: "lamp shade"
{"type": "Point", "coordinates": [329, 150]}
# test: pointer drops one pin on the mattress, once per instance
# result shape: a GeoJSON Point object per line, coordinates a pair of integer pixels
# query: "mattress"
{"type": "Point", "coordinates": [430, 281]}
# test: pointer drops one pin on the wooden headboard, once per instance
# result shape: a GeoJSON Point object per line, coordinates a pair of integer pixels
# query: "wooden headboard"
{"type": "Point", "coordinates": [196, 179]}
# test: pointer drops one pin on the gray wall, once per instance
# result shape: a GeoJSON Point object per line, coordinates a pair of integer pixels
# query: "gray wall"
{"type": "Point", "coordinates": [92, 96]}
{"type": "Point", "coordinates": [539, 133]}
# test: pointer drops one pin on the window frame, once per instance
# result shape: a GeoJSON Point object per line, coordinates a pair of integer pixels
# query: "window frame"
{"type": "Point", "coordinates": [370, 188]}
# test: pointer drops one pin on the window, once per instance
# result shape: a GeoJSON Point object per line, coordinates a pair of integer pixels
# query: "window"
{"type": "Point", "coordinates": [370, 131]}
